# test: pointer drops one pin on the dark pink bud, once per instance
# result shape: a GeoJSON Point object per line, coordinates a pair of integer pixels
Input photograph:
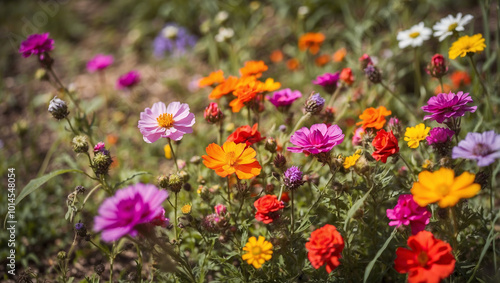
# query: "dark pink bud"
{"type": "Point", "coordinates": [213, 114]}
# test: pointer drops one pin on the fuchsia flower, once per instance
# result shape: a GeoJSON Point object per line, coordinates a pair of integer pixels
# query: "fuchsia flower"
{"type": "Point", "coordinates": [166, 122]}
{"type": "Point", "coordinates": [160, 220]}
{"type": "Point", "coordinates": [320, 138]}
{"type": "Point", "coordinates": [408, 212]}
{"type": "Point", "coordinates": [99, 62]}
{"type": "Point", "coordinates": [120, 214]}
{"type": "Point", "coordinates": [220, 209]}
{"type": "Point", "coordinates": [439, 135]}
{"type": "Point", "coordinates": [284, 97]}
{"type": "Point", "coordinates": [328, 81]}
{"type": "Point", "coordinates": [128, 80]}
{"type": "Point", "coordinates": [448, 105]}
{"type": "Point", "coordinates": [36, 44]}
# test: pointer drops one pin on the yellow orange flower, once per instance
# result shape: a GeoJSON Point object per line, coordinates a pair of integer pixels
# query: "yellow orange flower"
{"type": "Point", "coordinates": [111, 139]}
{"type": "Point", "coordinates": [270, 85]}
{"type": "Point", "coordinates": [292, 64]}
{"type": "Point", "coordinates": [168, 151]}
{"type": "Point", "coordinates": [446, 89]}
{"type": "Point", "coordinates": [374, 118]}
{"type": "Point", "coordinates": [311, 41]}
{"type": "Point", "coordinates": [443, 187]}
{"type": "Point", "coordinates": [258, 251]}
{"type": "Point", "coordinates": [414, 135]}
{"type": "Point", "coordinates": [186, 209]}
{"type": "Point", "coordinates": [232, 158]}
{"type": "Point", "coordinates": [351, 160]}
{"type": "Point", "coordinates": [322, 60]}
{"type": "Point", "coordinates": [466, 45]}
{"type": "Point", "coordinates": [245, 91]}
{"type": "Point", "coordinates": [253, 68]}
{"type": "Point", "coordinates": [339, 55]}
{"type": "Point", "coordinates": [276, 56]}
{"type": "Point", "coordinates": [226, 87]}
{"type": "Point", "coordinates": [213, 78]}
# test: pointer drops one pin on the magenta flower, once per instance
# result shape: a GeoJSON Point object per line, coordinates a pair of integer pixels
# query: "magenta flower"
{"type": "Point", "coordinates": [160, 220]}
{"type": "Point", "coordinates": [120, 214]}
{"type": "Point", "coordinates": [128, 80]}
{"type": "Point", "coordinates": [358, 136]}
{"type": "Point", "coordinates": [439, 135]}
{"type": "Point", "coordinates": [99, 147]}
{"type": "Point", "coordinates": [320, 138]}
{"type": "Point", "coordinates": [220, 209]}
{"type": "Point", "coordinates": [36, 44]}
{"type": "Point", "coordinates": [99, 62]}
{"type": "Point", "coordinates": [482, 147]}
{"type": "Point", "coordinates": [284, 97]}
{"type": "Point", "coordinates": [408, 212]}
{"type": "Point", "coordinates": [170, 122]}
{"type": "Point", "coordinates": [328, 81]}
{"type": "Point", "coordinates": [448, 105]}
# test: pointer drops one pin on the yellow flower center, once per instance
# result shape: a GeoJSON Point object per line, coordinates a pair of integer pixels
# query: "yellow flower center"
{"type": "Point", "coordinates": [452, 27]}
{"type": "Point", "coordinates": [256, 250]}
{"type": "Point", "coordinates": [165, 120]}
{"type": "Point", "coordinates": [443, 189]}
{"type": "Point", "coordinates": [422, 258]}
{"type": "Point", "coordinates": [231, 158]}
{"type": "Point", "coordinates": [414, 34]}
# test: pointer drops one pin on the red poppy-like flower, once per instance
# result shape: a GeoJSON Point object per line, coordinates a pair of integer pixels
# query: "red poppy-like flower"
{"type": "Point", "coordinates": [325, 247]}
{"type": "Point", "coordinates": [346, 76]}
{"type": "Point", "coordinates": [245, 134]}
{"type": "Point", "coordinates": [267, 208]}
{"type": "Point", "coordinates": [385, 144]}
{"type": "Point", "coordinates": [427, 261]}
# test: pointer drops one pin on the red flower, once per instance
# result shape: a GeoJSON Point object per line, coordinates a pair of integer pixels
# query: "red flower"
{"type": "Point", "coordinates": [212, 113]}
{"type": "Point", "coordinates": [247, 135]}
{"type": "Point", "coordinates": [346, 76]}
{"type": "Point", "coordinates": [385, 144]}
{"type": "Point", "coordinates": [427, 261]}
{"type": "Point", "coordinates": [325, 247]}
{"type": "Point", "coordinates": [267, 208]}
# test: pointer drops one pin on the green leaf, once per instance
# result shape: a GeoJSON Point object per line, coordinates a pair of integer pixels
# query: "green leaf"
{"type": "Point", "coordinates": [130, 178]}
{"type": "Point", "coordinates": [380, 251]}
{"type": "Point", "coordinates": [355, 208]}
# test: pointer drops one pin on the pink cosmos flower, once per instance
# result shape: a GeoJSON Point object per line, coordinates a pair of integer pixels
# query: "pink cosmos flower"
{"type": "Point", "coordinates": [358, 136]}
{"type": "Point", "coordinates": [120, 214]}
{"type": "Point", "coordinates": [320, 138]}
{"type": "Point", "coordinates": [284, 97]}
{"type": "Point", "coordinates": [36, 44]}
{"type": "Point", "coordinates": [99, 62]}
{"type": "Point", "coordinates": [128, 80]}
{"type": "Point", "coordinates": [170, 122]}
{"type": "Point", "coordinates": [408, 212]}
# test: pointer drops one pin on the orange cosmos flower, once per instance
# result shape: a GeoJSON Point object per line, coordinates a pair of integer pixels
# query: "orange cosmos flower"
{"type": "Point", "coordinates": [253, 68]}
{"type": "Point", "coordinates": [216, 77]}
{"type": "Point", "coordinates": [276, 56]}
{"type": "Point", "coordinates": [292, 64]}
{"type": "Point", "coordinates": [226, 87]}
{"type": "Point", "coordinates": [245, 91]}
{"type": "Point", "coordinates": [322, 60]}
{"type": "Point", "coordinates": [232, 158]}
{"type": "Point", "coordinates": [339, 55]}
{"type": "Point", "coordinates": [374, 118]}
{"type": "Point", "coordinates": [311, 41]}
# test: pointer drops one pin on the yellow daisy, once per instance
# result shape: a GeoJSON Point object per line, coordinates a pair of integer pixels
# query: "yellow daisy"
{"type": "Point", "coordinates": [414, 135]}
{"type": "Point", "coordinates": [259, 251]}
{"type": "Point", "coordinates": [351, 160]}
{"type": "Point", "coordinates": [466, 44]}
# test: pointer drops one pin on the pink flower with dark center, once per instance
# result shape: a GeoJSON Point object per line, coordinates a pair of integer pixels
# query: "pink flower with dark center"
{"type": "Point", "coordinates": [128, 80]}
{"type": "Point", "coordinates": [284, 97]}
{"type": "Point", "coordinates": [408, 212]}
{"type": "Point", "coordinates": [448, 105]}
{"type": "Point", "coordinates": [36, 44]}
{"type": "Point", "coordinates": [170, 122]}
{"type": "Point", "coordinates": [320, 138]}
{"type": "Point", "coordinates": [99, 62]}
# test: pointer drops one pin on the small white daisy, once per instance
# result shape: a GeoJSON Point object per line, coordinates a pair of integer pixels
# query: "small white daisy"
{"type": "Point", "coordinates": [414, 36]}
{"type": "Point", "coordinates": [446, 26]}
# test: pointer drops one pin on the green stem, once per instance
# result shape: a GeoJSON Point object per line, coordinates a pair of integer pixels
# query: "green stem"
{"type": "Point", "coordinates": [410, 111]}
{"type": "Point", "coordinates": [221, 132]}
{"type": "Point", "coordinates": [173, 154]}
{"type": "Point", "coordinates": [175, 222]}
{"type": "Point", "coordinates": [418, 76]}
{"type": "Point", "coordinates": [292, 218]}
{"type": "Point", "coordinates": [441, 83]}
{"type": "Point", "coordinates": [297, 126]}
{"type": "Point", "coordinates": [492, 211]}
{"type": "Point", "coordinates": [71, 126]}
{"type": "Point", "coordinates": [471, 60]}
{"type": "Point", "coordinates": [455, 228]}
{"type": "Point", "coordinates": [334, 96]}
{"type": "Point", "coordinates": [281, 191]}
{"type": "Point", "coordinates": [409, 168]}
{"type": "Point", "coordinates": [51, 71]}
{"type": "Point", "coordinates": [228, 190]}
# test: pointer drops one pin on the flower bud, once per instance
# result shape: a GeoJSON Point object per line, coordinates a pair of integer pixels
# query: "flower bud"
{"type": "Point", "coordinates": [292, 179]}
{"type": "Point", "coordinates": [58, 108]}
{"type": "Point", "coordinates": [195, 159]}
{"type": "Point", "coordinates": [99, 269]}
{"type": "Point", "coordinates": [80, 189]}
{"type": "Point", "coordinates": [101, 163]}
{"type": "Point", "coordinates": [163, 181]}
{"type": "Point", "coordinates": [175, 183]}
{"type": "Point", "coordinates": [373, 74]}
{"type": "Point", "coordinates": [220, 209]}
{"type": "Point", "coordinates": [346, 76]}
{"type": "Point", "coordinates": [81, 230]}
{"type": "Point", "coordinates": [80, 144]}
{"type": "Point", "coordinates": [213, 114]}
{"type": "Point", "coordinates": [365, 61]}
{"type": "Point", "coordinates": [280, 161]}
{"type": "Point", "coordinates": [315, 103]}
{"type": "Point", "coordinates": [271, 145]}
{"type": "Point", "coordinates": [395, 126]}
{"type": "Point", "coordinates": [61, 255]}
{"type": "Point", "coordinates": [437, 67]}
{"type": "Point", "coordinates": [184, 175]}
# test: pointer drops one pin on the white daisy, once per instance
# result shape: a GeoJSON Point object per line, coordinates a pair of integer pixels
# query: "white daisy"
{"type": "Point", "coordinates": [446, 26]}
{"type": "Point", "coordinates": [414, 36]}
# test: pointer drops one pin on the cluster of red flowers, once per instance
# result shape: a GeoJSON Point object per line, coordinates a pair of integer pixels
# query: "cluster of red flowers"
{"type": "Point", "coordinates": [268, 208]}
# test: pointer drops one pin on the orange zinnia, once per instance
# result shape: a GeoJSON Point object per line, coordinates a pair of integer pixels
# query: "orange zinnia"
{"type": "Point", "coordinates": [216, 77]}
{"type": "Point", "coordinates": [311, 41]}
{"type": "Point", "coordinates": [245, 91]}
{"type": "Point", "coordinates": [339, 55]}
{"type": "Point", "coordinates": [232, 158]}
{"type": "Point", "coordinates": [322, 60]}
{"type": "Point", "coordinates": [276, 56]}
{"type": "Point", "coordinates": [292, 64]}
{"type": "Point", "coordinates": [253, 68]}
{"type": "Point", "coordinates": [226, 87]}
{"type": "Point", "coordinates": [374, 118]}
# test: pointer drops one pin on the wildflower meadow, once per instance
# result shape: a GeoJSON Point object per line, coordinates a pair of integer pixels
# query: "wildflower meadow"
{"type": "Point", "coordinates": [250, 141]}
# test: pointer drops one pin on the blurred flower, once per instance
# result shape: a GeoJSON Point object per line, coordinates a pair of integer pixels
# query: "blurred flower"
{"type": "Point", "coordinates": [414, 135]}
{"type": "Point", "coordinates": [292, 179]}
{"type": "Point", "coordinates": [120, 214]}
{"type": "Point", "coordinates": [484, 148]}
{"type": "Point", "coordinates": [232, 158]}
{"type": "Point", "coordinates": [408, 212]}
{"type": "Point", "coordinates": [212, 113]}
{"type": "Point", "coordinates": [224, 34]}
{"type": "Point", "coordinates": [270, 85]}
{"type": "Point", "coordinates": [325, 246]}
{"type": "Point", "coordinates": [460, 79]}
{"type": "Point", "coordinates": [214, 223]}
{"type": "Point", "coordinates": [467, 45]}
{"type": "Point", "coordinates": [267, 208]}
{"type": "Point", "coordinates": [395, 126]}
{"type": "Point", "coordinates": [438, 67]}
{"type": "Point", "coordinates": [58, 108]}
{"type": "Point", "coordinates": [292, 64]}
{"type": "Point", "coordinates": [246, 134]}
{"type": "Point", "coordinates": [226, 87]}
{"type": "Point", "coordinates": [328, 81]}
{"type": "Point", "coordinates": [173, 39]}
{"type": "Point", "coordinates": [374, 118]}
{"type": "Point", "coordinates": [258, 251]}
{"type": "Point", "coordinates": [276, 56]}
{"type": "Point", "coordinates": [373, 74]}
{"type": "Point", "coordinates": [314, 104]}
{"type": "Point", "coordinates": [99, 62]}
{"type": "Point", "coordinates": [443, 187]}
{"type": "Point", "coordinates": [213, 78]}
{"type": "Point", "coordinates": [365, 61]}
{"type": "Point", "coordinates": [427, 164]}
{"type": "Point", "coordinates": [221, 17]}
{"type": "Point", "coordinates": [446, 26]}
{"type": "Point", "coordinates": [36, 44]}
{"type": "Point", "coordinates": [253, 68]}
{"type": "Point", "coordinates": [99, 147]}
{"type": "Point", "coordinates": [446, 88]}
{"type": "Point", "coordinates": [439, 135]}
{"type": "Point", "coordinates": [415, 36]}
{"type": "Point", "coordinates": [168, 151]}
{"type": "Point", "coordinates": [170, 122]}
{"type": "Point", "coordinates": [220, 209]}
{"type": "Point", "coordinates": [284, 97]}
{"type": "Point", "coordinates": [311, 41]}
{"type": "Point", "coordinates": [160, 220]}
{"type": "Point", "coordinates": [448, 105]}
{"type": "Point", "coordinates": [346, 76]}
{"type": "Point", "coordinates": [320, 138]}
{"type": "Point", "coordinates": [245, 92]}
{"type": "Point", "coordinates": [385, 145]}
{"type": "Point", "coordinates": [303, 11]}
{"type": "Point", "coordinates": [358, 136]}
{"type": "Point", "coordinates": [111, 139]}
{"type": "Point", "coordinates": [322, 60]}
{"type": "Point", "coordinates": [186, 209]}
{"type": "Point", "coordinates": [428, 260]}
{"type": "Point", "coordinates": [351, 160]}
{"type": "Point", "coordinates": [128, 80]}
{"type": "Point", "coordinates": [339, 55]}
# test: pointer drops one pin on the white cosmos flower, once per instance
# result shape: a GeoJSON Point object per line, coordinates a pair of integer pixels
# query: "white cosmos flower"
{"type": "Point", "coordinates": [224, 34]}
{"type": "Point", "coordinates": [414, 36]}
{"type": "Point", "coordinates": [446, 26]}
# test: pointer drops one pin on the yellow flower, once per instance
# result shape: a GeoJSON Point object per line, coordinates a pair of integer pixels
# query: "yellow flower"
{"type": "Point", "coordinates": [168, 151]}
{"type": "Point", "coordinates": [414, 135]}
{"type": "Point", "coordinates": [259, 251]}
{"type": "Point", "coordinates": [351, 160]}
{"type": "Point", "coordinates": [466, 44]}
{"type": "Point", "coordinates": [442, 187]}
{"type": "Point", "coordinates": [186, 209]}
{"type": "Point", "coordinates": [427, 163]}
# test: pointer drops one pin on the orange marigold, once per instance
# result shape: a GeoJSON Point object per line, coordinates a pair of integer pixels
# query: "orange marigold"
{"type": "Point", "coordinates": [311, 41]}
{"type": "Point", "coordinates": [339, 55]}
{"type": "Point", "coordinates": [276, 56]}
{"type": "Point", "coordinates": [226, 87]}
{"type": "Point", "coordinates": [245, 91]}
{"type": "Point", "coordinates": [232, 158]}
{"type": "Point", "coordinates": [292, 64]}
{"type": "Point", "coordinates": [374, 118]}
{"type": "Point", "coordinates": [253, 68]}
{"type": "Point", "coordinates": [213, 78]}
{"type": "Point", "coordinates": [322, 60]}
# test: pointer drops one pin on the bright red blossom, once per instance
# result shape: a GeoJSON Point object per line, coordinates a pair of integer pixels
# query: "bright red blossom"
{"type": "Point", "coordinates": [267, 208]}
{"type": "Point", "coordinates": [245, 134]}
{"type": "Point", "coordinates": [325, 247]}
{"type": "Point", "coordinates": [346, 76]}
{"type": "Point", "coordinates": [385, 144]}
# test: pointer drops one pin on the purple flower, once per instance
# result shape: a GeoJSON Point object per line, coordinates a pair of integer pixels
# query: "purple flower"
{"type": "Point", "coordinates": [284, 97]}
{"type": "Point", "coordinates": [293, 178]}
{"type": "Point", "coordinates": [120, 214]}
{"type": "Point", "coordinates": [439, 135]}
{"type": "Point", "coordinates": [482, 147]}
{"type": "Point", "coordinates": [36, 44]}
{"type": "Point", "coordinates": [408, 212]}
{"type": "Point", "coordinates": [128, 80]}
{"type": "Point", "coordinates": [448, 105]}
{"type": "Point", "coordinates": [320, 138]}
{"type": "Point", "coordinates": [328, 81]}
{"type": "Point", "coordinates": [99, 62]}
{"type": "Point", "coordinates": [173, 39]}
{"type": "Point", "coordinates": [170, 122]}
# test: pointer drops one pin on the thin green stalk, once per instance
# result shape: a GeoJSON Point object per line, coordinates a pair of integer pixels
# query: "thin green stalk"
{"type": "Point", "coordinates": [409, 168]}
{"type": "Point", "coordinates": [334, 96]}
{"type": "Point", "coordinates": [453, 216]}
{"type": "Point", "coordinates": [71, 126]}
{"type": "Point", "coordinates": [471, 59]}
{"type": "Point", "coordinates": [410, 111]}
{"type": "Point", "coordinates": [492, 211]}
{"type": "Point", "coordinates": [441, 83]}
{"type": "Point", "coordinates": [221, 132]}
{"type": "Point", "coordinates": [175, 222]}
{"type": "Point", "coordinates": [297, 126]}
{"type": "Point", "coordinates": [173, 154]}
{"type": "Point", "coordinates": [228, 190]}
{"type": "Point", "coordinates": [418, 75]}
{"type": "Point", "coordinates": [292, 218]}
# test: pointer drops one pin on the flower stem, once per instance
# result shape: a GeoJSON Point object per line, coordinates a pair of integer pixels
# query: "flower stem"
{"type": "Point", "coordinates": [455, 227]}
{"type": "Point", "coordinates": [441, 84]}
{"type": "Point", "coordinates": [71, 126]}
{"type": "Point", "coordinates": [471, 59]}
{"type": "Point", "coordinates": [221, 132]}
{"type": "Point", "coordinates": [56, 78]}
{"type": "Point", "coordinates": [175, 221]}
{"type": "Point", "coordinates": [292, 220]}
{"type": "Point", "coordinates": [492, 210]}
{"type": "Point", "coordinates": [418, 75]}
{"type": "Point", "coordinates": [334, 96]}
{"type": "Point", "coordinates": [400, 100]}
{"type": "Point", "coordinates": [173, 154]}
{"type": "Point", "coordinates": [228, 191]}
{"type": "Point", "coordinates": [409, 168]}
{"type": "Point", "coordinates": [297, 126]}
